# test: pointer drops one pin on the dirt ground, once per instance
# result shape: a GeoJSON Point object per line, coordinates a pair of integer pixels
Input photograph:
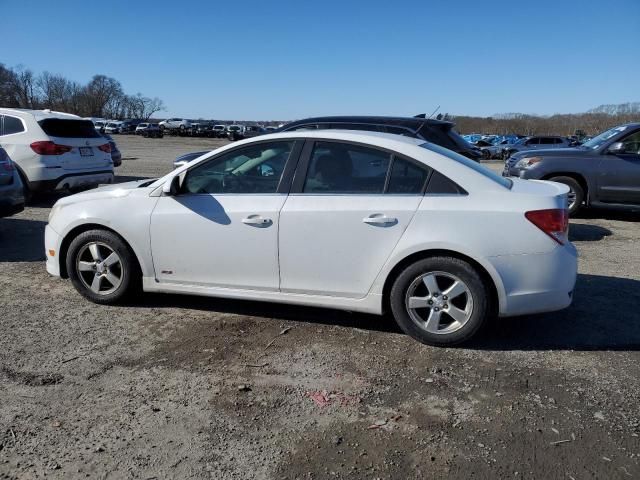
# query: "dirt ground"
{"type": "Point", "coordinates": [187, 387]}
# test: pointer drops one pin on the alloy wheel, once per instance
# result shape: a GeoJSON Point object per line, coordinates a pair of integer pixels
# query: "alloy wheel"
{"type": "Point", "coordinates": [439, 302]}
{"type": "Point", "coordinates": [99, 268]}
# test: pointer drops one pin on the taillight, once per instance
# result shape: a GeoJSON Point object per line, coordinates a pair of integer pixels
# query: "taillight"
{"type": "Point", "coordinates": [106, 148]}
{"type": "Point", "coordinates": [554, 222]}
{"type": "Point", "coordinates": [49, 148]}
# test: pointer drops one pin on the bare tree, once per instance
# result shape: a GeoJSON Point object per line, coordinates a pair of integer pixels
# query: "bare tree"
{"type": "Point", "coordinates": [24, 87]}
{"type": "Point", "coordinates": [7, 91]}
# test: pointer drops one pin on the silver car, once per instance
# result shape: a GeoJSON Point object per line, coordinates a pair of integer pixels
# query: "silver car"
{"type": "Point", "coordinates": [535, 143]}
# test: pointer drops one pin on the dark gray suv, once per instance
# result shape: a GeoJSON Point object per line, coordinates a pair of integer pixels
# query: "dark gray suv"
{"type": "Point", "coordinates": [603, 172]}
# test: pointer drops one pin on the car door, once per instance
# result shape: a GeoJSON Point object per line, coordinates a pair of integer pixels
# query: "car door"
{"type": "Point", "coordinates": [348, 208]}
{"type": "Point", "coordinates": [221, 229]}
{"type": "Point", "coordinates": [619, 173]}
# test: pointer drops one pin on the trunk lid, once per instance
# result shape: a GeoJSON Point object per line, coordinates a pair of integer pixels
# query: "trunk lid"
{"type": "Point", "coordinates": [541, 193]}
{"type": "Point", "coordinates": [84, 141]}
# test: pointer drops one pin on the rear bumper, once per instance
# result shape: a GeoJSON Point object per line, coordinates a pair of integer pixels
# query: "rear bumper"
{"type": "Point", "coordinates": [537, 283]}
{"type": "Point", "coordinates": [73, 180]}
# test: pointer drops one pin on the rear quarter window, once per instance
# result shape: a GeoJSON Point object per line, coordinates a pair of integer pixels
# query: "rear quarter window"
{"type": "Point", "coordinates": [57, 127]}
{"type": "Point", "coordinates": [484, 171]}
{"type": "Point", "coordinates": [10, 125]}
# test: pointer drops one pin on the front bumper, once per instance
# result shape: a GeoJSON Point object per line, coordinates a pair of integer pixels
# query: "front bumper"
{"type": "Point", "coordinates": [52, 243]}
{"type": "Point", "coordinates": [537, 283]}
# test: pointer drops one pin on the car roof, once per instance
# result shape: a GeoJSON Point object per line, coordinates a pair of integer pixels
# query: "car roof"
{"type": "Point", "coordinates": [39, 114]}
{"type": "Point", "coordinates": [413, 122]}
{"type": "Point", "coordinates": [362, 136]}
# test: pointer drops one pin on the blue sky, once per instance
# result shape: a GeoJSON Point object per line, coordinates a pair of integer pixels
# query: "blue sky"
{"type": "Point", "coordinates": [285, 60]}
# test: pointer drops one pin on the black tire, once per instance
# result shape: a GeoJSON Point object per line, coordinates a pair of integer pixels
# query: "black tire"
{"type": "Point", "coordinates": [128, 270]}
{"type": "Point", "coordinates": [478, 312]}
{"type": "Point", "coordinates": [27, 193]}
{"type": "Point", "coordinates": [486, 154]}
{"type": "Point", "coordinates": [576, 193]}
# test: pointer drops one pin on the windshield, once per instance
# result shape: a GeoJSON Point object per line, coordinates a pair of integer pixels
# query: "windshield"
{"type": "Point", "coordinates": [598, 141]}
{"type": "Point", "coordinates": [505, 182]}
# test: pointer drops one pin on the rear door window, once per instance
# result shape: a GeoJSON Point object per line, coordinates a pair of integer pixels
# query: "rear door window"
{"type": "Point", "coordinates": [58, 127]}
{"type": "Point", "coordinates": [341, 168]}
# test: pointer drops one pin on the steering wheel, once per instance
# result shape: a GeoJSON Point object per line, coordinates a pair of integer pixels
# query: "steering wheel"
{"type": "Point", "coordinates": [232, 182]}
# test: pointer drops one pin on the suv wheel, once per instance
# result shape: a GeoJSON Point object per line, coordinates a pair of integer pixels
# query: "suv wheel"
{"type": "Point", "coordinates": [575, 197]}
{"type": "Point", "coordinates": [440, 301]}
{"type": "Point", "coordinates": [102, 267]}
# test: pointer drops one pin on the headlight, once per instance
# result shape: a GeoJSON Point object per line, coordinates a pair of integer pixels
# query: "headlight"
{"type": "Point", "coordinates": [528, 162]}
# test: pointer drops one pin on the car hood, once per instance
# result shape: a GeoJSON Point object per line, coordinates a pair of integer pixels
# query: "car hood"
{"type": "Point", "coordinates": [116, 190]}
{"type": "Point", "coordinates": [553, 152]}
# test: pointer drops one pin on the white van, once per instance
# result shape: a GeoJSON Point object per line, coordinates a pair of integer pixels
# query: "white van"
{"type": "Point", "coordinates": [55, 151]}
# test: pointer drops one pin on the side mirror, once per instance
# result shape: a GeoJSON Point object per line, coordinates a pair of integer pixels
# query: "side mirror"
{"type": "Point", "coordinates": [616, 148]}
{"type": "Point", "coordinates": [171, 188]}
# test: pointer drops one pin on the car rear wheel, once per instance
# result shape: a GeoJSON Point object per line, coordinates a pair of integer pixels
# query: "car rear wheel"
{"type": "Point", "coordinates": [575, 197]}
{"type": "Point", "coordinates": [440, 301]}
{"type": "Point", "coordinates": [102, 267]}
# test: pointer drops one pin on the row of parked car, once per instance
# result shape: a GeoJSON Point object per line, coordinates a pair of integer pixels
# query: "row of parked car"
{"type": "Point", "coordinates": [503, 146]}
{"type": "Point", "coordinates": [182, 127]}
{"type": "Point", "coordinates": [54, 151]}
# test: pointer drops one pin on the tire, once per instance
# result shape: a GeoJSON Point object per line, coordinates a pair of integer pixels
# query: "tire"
{"type": "Point", "coordinates": [471, 305]}
{"type": "Point", "coordinates": [486, 154]}
{"type": "Point", "coordinates": [27, 193]}
{"type": "Point", "coordinates": [576, 193]}
{"type": "Point", "coordinates": [117, 280]}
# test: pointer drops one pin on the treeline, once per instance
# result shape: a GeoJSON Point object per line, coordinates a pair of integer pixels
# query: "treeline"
{"type": "Point", "coordinates": [102, 97]}
{"type": "Point", "coordinates": [592, 122]}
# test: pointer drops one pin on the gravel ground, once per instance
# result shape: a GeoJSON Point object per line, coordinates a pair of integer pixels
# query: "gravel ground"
{"type": "Point", "coordinates": [186, 387]}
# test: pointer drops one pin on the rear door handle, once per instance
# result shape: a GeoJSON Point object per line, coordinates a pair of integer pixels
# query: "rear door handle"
{"type": "Point", "coordinates": [257, 221]}
{"type": "Point", "coordinates": [380, 219]}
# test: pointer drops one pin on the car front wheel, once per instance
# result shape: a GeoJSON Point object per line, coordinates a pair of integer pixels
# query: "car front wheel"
{"type": "Point", "coordinates": [575, 197]}
{"type": "Point", "coordinates": [102, 267]}
{"type": "Point", "coordinates": [440, 301]}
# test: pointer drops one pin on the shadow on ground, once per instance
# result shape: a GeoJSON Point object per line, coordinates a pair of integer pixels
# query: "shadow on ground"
{"type": "Point", "coordinates": [584, 232]}
{"type": "Point", "coordinates": [21, 240]}
{"type": "Point", "coordinates": [604, 316]}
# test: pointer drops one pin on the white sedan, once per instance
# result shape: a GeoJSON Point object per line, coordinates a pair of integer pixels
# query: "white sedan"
{"type": "Point", "coordinates": [351, 220]}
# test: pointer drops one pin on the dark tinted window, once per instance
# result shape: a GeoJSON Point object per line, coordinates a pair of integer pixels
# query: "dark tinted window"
{"type": "Point", "coordinates": [439, 136]}
{"type": "Point", "coordinates": [441, 185]}
{"type": "Point", "coordinates": [532, 141]}
{"type": "Point", "coordinates": [406, 177]}
{"type": "Point", "coordinates": [348, 169]}
{"type": "Point", "coordinates": [11, 125]}
{"type": "Point", "coordinates": [549, 141]}
{"type": "Point", "coordinates": [254, 169]}
{"type": "Point", "coordinates": [57, 127]}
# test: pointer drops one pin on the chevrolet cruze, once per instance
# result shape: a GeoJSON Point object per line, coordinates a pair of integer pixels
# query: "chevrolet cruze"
{"type": "Point", "coordinates": [359, 221]}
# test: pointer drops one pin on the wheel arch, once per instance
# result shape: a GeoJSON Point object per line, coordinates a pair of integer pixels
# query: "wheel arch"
{"type": "Point", "coordinates": [491, 280]}
{"type": "Point", "coordinates": [85, 227]}
{"type": "Point", "coordinates": [578, 177]}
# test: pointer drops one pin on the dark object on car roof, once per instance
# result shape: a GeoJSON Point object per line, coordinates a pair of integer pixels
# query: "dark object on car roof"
{"type": "Point", "coordinates": [434, 131]}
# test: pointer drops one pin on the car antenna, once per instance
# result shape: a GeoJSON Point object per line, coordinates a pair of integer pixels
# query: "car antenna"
{"type": "Point", "coordinates": [434, 112]}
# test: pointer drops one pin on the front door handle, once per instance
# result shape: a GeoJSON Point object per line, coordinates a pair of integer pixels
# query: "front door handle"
{"type": "Point", "coordinates": [257, 221]}
{"type": "Point", "coordinates": [380, 219]}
